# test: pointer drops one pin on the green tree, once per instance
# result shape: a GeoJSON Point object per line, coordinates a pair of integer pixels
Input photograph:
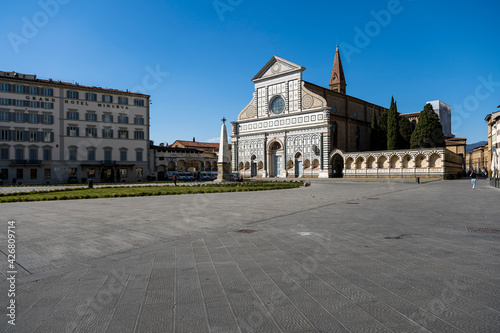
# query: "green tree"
{"type": "Point", "coordinates": [428, 133]}
{"type": "Point", "coordinates": [382, 132]}
{"type": "Point", "coordinates": [405, 132]}
{"type": "Point", "coordinates": [392, 126]}
{"type": "Point", "coordinates": [374, 133]}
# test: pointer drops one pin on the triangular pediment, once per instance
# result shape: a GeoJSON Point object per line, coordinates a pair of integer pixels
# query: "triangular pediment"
{"type": "Point", "coordinates": [277, 66]}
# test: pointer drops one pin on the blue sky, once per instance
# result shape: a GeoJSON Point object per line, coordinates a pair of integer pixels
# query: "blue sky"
{"type": "Point", "coordinates": [204, 53]}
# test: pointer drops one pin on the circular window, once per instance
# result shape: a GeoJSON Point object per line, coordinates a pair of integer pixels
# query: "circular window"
{"type": "Point", "coordinates": [278, 105]}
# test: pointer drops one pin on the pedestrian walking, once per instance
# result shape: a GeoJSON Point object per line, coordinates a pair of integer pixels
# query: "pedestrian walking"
{"type": "Point", "coordinates": [473, 178]}
{"type": "Point", "coordinates": [175, 180]}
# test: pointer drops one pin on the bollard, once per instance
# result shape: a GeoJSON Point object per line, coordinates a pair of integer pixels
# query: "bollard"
{"type": "Point", "coordinates": [91, 183]}
{"type": "Point", "coordinates": [417, 179]}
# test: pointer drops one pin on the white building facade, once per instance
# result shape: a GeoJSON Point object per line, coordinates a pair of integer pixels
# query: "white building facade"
{"type": "Point", "coordinates": [291, 127]}
{"type": "Point", "coordinates": [53, 131]}
{"type": "Point", "coordinates": [443, 110]}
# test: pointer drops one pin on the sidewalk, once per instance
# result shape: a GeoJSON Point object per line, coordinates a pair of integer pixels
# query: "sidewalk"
{"type": "Point", "coordinates": [331, 257]}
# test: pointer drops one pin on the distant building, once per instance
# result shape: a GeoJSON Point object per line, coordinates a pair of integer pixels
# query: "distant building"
{"type": "Point", "coordinates": [53, 131]}
{"type": "Point", "coordinates": [184, 156]}
{"type": "Point", "coordinates": [477, 159]}
{"type": "Point", "coordinates": [493, 151]}
{"type": "Point", "coordinates": [442, 109]}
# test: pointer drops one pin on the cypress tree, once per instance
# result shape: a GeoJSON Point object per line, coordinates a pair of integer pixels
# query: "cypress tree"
{"type": "Point", "coordinates": [428, 132]}
{"type": "Point", "coordinates": [392, 126]}
{"type": "Point", "coordinates": [382, 130]}
{"type": "Point", "coordinates": [374, 133]}
{"type": "Point", "coordinates": [405, 132]}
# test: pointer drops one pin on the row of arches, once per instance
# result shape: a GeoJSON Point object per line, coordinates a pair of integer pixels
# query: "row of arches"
{"type": "Point", "coordinates": [394, 161]}
{"type": "Point", "coordinates": [189, 165]}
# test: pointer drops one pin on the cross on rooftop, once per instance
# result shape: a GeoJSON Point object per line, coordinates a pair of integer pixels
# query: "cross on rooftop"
{"type": "Point", "coordinates": [224, 120]}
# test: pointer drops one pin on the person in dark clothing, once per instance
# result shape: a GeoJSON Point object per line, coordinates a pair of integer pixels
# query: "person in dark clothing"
{"type": "Point", "coordinates": [175, 180]}
{"type": "Point", "coordinates": [473, 178]}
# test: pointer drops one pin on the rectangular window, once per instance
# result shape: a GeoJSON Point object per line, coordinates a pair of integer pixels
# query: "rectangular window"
{"type": "Point", "coordinates": [47, 119]}
{"type": "Point", "coordinates": [72, 154]}
{"type": "Point", "coordinates": [139, 121]}
{"type": "Point", "coordinates": [139, 102]}
{"type": "Point", "coordinates": [4, 153]}
{"type": "Point", "coordinates": [91, 131]}
{"type": "Point", "coordinates": [107, 98]}
{"type": "Point", "coordinates": [33, 154]}
{"type": "Point", "coordinates": [91, 173]}
{"type": "Point", "coordinates": [91, 155]}
{"type": "Point", "coordinates": [122, 100]}
{"type": "Point", "coordinates": [123, 119]}
{"type": "Point", "coordinates": [19, 135]}
{"type": "Point", "coordinates": [72, 172]}
{"type": "Point", "coordinates": [91, 117]}
{"type": "Point", "coordinates": [5, 135]}
{"type": "Point", "coordinates": [5, 101]}
{"type": "Point", "coordinates": [47, 136]}
{"type": "Point", "coordinates": [20, 89]}
{"type": "Point", "coordinates": [123, 155]}
{"type": "Point", "coordinates": [73, 131]}
{"type": "Point", "coordinates": [34, 104]}
{"type": "Point", "coordinates": [123, 173]}
{"type": "Point", "coordinates": [33, 174]}
{"type": "Point", "coordinates": [5, 116]}
{"type": "Point", "coordinates": [91, 97]}
{"type": "Point", "coordinates": [33, 136]}
{"type": "Point", "coordinates": [34, 90]}
{"type": "Point", "coordinates": [138, 172]}
{"type": "Point", "coordinates": [4, 173]}
{"type": "Point", "coordinates": [107, 118]}
{"type": "Point", "coordinates": [46, 173]}
{"type": "Point", "coordinates": [48, 105]}
{"type": "Point", "coordinates": [138, 156]}
{"type": "Point", "coordinates": [48, 92]}
{"type": "Point", "coordinates": [19, 154]}
{"type": "Point", "coordinates": [33, 118]}
{"type": "Point", "coordinates": [19, 117]}
{"type": "Point", "coordinates": [107, 155]}
{"type": "Point", "coordinates": [139, 135]}
{"type": "Point", "coordinates": [47, 154]}
{"type": "Point", "coordinates": [5, 87]}
{"type": "Point", "coordinates": [72, 94]}
{"type": "Point", "coordinates": [123, 134]}
{"type": "Point", "coordinates": [19, 174]}
{"type": "Point", "coordinates": [73, 115]}
{"type": "Point", "coordinates": [107, 133]}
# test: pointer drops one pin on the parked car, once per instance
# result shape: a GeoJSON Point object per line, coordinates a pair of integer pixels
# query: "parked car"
{"type": "Point", "coordinates": [205, 175]}
{"type": "Point", "coordinates": [235, 176]}
{"type": "Point", "coordinates": [72, 180]}
{"type": "Point", "coordinates": [186, 176]}
{"type": "Point", "coordinates": [170, 175]}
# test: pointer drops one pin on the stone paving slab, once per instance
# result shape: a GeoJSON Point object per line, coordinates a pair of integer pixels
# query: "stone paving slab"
{"type": "Point", "coordinates": [332, 257]}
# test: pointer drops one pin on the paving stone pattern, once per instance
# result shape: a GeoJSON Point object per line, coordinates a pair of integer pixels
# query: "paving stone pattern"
{"type": "Point", "coordinates": [332, 257]}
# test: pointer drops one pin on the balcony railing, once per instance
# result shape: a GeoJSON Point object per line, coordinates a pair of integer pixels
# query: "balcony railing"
{"type": "Point", "coordinates": [26, 162]}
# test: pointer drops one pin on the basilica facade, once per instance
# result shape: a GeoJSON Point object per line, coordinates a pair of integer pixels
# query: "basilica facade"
{"type": "Point", "coordinates": [293, 128]}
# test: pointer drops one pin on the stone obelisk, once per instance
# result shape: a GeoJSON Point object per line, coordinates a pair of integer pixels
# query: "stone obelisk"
{"type": "Point", "coordinates": [224, 161]}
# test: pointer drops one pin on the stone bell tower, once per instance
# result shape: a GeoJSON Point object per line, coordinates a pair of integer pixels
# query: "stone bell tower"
{"type": "Point", "coordinates": [337, 80]}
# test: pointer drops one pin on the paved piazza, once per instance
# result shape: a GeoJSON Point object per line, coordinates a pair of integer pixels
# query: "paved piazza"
{"type": "Point", "coordinates": [332, 257]}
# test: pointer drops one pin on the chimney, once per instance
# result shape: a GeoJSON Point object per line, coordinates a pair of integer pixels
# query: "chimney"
{"type": "Point", "coordinates": [194, 139]}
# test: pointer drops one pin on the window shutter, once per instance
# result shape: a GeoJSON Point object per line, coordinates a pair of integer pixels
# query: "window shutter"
{"type": "Point", "coordinates": [67, 115]}
{"type": "Point", "coordinates": [78, 131]}
{"type": "Point", "coordinates": [126, 134]}
{"type": "Point", "coordinates": [67, 131]}
{"type": "Point", "coordinates": [111, 118]}
{"type": "Point", "coordinates": [51, 136]}
{"type": "Point", "coordinates": [78, 116]}
{"type": "Point", "coordinates": [26, 136]}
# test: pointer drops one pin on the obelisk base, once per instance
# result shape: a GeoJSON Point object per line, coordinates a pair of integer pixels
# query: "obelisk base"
{"type": "Point", "coordinates": [223, 172]}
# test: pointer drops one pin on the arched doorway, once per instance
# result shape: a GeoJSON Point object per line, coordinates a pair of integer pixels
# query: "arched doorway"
{"type": "Point", "coordinates": [337, 166]}
{"type": "Point", "coordinates": [107, 175]}
{"type": "Point", "coordinates": [276, 159]}
{"type": "Point", "coordinates": [298, 165]}
{"type": "Point", "coordinates": [253, 171]}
